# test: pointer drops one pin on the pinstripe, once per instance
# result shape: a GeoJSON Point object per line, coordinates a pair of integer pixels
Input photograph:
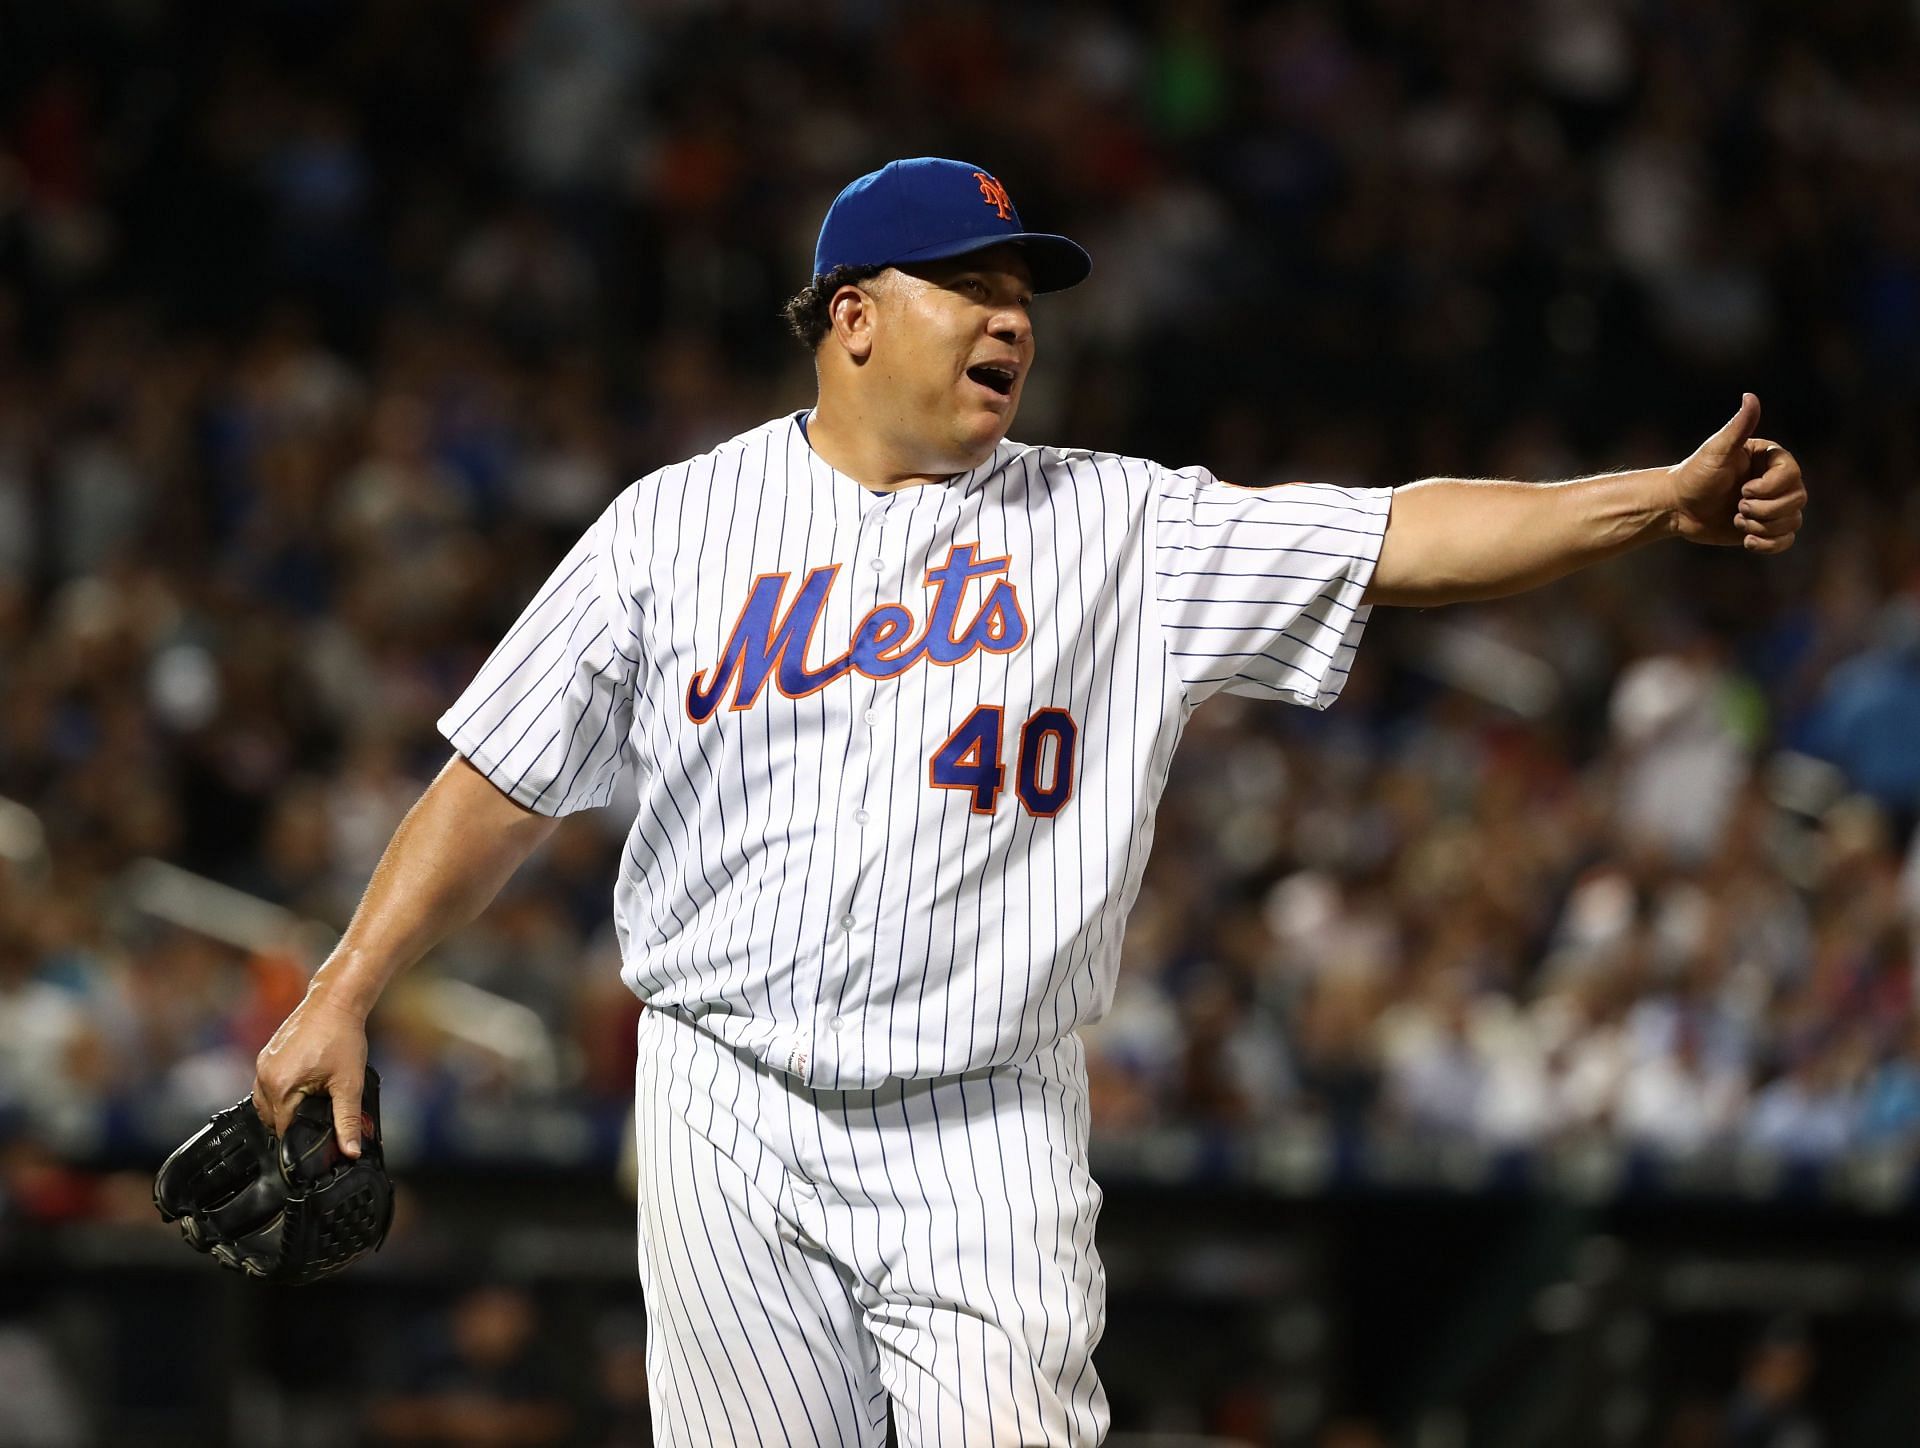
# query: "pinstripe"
{"type": "Point", "coordinates": [552, 586]}
{"type": "Point", "coordinates": [1172, 600]}
{"type": "Point", "coordinates": [737, 841]}
{"type": "Point", "coordinates": [665, 1300]}
{"type": "Point", "coordinates": [1062, 1191]}
{"type": "Point", "coordinates": [886, 849]}
{"type": "Point", "coordinates": [638, 877]}
{"type": "Point", "coordinates": [788, 1269]}
{"type": "Point", "coordinates": [833, 934]}
{"type": "Point", "coordinates": [1047, 1202]}
{"type": "Point", "coordinates": [1086, 1205]}
{"type": "Point", "coordinates": [1230, 506]}
{"type": "Point", "coordinates": [504, 759]}
{"type": "Point", "coordinates": [1332, 675]}
{"type": "Point", "coordinates": [570, 619]}
{"type": "Point", "coordinates": [1001, 1017]}
{"type": "Point", "coordinates": [681, 1216]}
{"type": "Point", "coordinates": [606, 722]}
{"type": "Point", "coordinates": [918, 1190]}
{"type": "Point", "coordinates": [780, 890]}
{"type": "Point", "coordinates": [863, 1266]}
{"type": "Point", "coordinates": [877, 512]}
{"type": "Point", "coordinates": [758, 1332]}
{"type": "Point", "coordinates": [974, 1051]}
{"type": "Point", "coordinates": [691, 853]}
{"type": "Point", "coordinates": [997, 1256]}
{"type": "Point", "coordinates": [945, 1018]}
{"type": "Point", "coordinates": [1050, 994]}
{"type": "Point", "coordinates": [1110, 920]}
{"type": "Point", "coordinates": [981, 941]}
{"type": "Point", "coordinates": [994, 1123]}
{"type": "Point", "coordinates": [766, 836]}
{"type": "Point", "coordinates": [921, 1014]}
{"type": "Point", "coordinates": [598, 675]}
{"type": "Point", "coordinates": [1283, 634]}
{"type": "Point", "coordinates": [916, 1193]}
{"type": "Point", "coordinates": [958, 1256]}
{"type": "Point", "coordinates": [1090, 938]}
{"type": "Point", "coordinates": [1294, 551]}
{"type": "Point", "coordinates": [717, 796]}
{"type": "Point", "coordinates": [881, 1286]}
{"type": "Point", "coordinates": [537, 713]}
{"type": "Point", "coordinates": [674, 876]}
{"type": "Point", "coordinates": [1364, 494]}
{"type": "Point", "coordinates": [788, 1344]}
{"type": "Point", "coordinates": [1246, 574]}
{"type": "Point", "coordinates": [533, 612]}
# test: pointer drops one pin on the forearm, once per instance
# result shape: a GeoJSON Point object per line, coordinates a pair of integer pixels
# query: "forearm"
{"type": "Point", "coordinates": [1453, 540]}
{"type": "Point", "coordinates": [459, 844]}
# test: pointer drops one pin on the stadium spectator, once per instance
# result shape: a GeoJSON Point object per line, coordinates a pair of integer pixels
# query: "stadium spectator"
{"type": "Point", "coordinates": [478, 1376]}
{"type": "Point", "coordinates": [310, 367]}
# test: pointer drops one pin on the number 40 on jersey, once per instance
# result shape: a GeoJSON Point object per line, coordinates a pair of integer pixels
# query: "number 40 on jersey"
{"type": "Point", "coordinates": [970, 760]}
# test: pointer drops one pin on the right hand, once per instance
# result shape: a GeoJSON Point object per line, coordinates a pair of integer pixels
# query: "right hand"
{"type": "Point", "coordinates": [322, 1046]}
{"type": "Point", "coordinates": [1739, 491]}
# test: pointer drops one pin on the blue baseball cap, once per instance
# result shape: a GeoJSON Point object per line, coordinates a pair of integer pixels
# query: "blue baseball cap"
{"type": "Point", "coordinates": [926, 209]}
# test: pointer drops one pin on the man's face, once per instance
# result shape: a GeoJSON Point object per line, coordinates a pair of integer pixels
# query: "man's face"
{"type": "Point", "coordinates": [952, 345]}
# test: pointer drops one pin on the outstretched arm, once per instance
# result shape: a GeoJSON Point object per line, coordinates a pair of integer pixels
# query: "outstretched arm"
{"type": "Point", "coordinates": [461, 842]}
{"type": "Point", "coordinates": [1452, 540]}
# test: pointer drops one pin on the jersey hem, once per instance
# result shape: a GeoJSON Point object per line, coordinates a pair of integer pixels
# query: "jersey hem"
{"type": "Point", "coordinates": [521, 791]}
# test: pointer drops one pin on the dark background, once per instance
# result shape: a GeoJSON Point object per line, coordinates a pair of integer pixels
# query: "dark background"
{"type": "Point", "coordinates": [1524, 1051]}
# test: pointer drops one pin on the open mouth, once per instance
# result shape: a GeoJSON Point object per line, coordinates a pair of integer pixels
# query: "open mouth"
{"type": "Point", "coordinates": [993, 377]}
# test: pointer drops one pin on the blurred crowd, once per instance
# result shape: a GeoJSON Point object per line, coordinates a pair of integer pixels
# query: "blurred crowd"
{"type": "Point", "coordinates": [326, 327]}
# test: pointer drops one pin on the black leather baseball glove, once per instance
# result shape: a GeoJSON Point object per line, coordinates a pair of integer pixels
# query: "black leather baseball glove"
{"type": "Point", "coordinates": [291, 1209]}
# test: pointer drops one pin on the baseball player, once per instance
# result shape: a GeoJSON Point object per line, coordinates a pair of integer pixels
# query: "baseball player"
{"type": "Point", "coordinates": [899, 697]}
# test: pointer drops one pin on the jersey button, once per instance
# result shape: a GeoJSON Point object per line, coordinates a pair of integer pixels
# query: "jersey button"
{"type": "Point", "coordinates": [860, 816]}
{"type": "Point", "coordinates": [873, 716]}
{"type": "Point", "coordinates": [846, 922]}
{"type": "Point", "coordinates": [875, 564]}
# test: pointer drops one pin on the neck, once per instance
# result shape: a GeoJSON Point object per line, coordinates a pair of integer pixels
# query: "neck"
{"type": "Point", "coordinates": [851, 444]}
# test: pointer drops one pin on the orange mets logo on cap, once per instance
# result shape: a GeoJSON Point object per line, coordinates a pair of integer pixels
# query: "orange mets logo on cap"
{"type": "Point", "coordinates": [995, 195]}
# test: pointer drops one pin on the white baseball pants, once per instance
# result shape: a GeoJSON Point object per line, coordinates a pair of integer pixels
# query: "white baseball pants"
{"type": "Point", "coordinates": [808, 1255]}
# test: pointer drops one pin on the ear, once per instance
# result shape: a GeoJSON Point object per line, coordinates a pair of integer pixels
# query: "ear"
{"type": "Point", "coordinates": [851, 312]}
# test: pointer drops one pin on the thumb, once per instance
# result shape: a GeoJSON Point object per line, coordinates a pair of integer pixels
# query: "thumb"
{"type": "Point", "coordinates": [1740, 426]}
{"type": "Point", "coordinates": [346, 1117]}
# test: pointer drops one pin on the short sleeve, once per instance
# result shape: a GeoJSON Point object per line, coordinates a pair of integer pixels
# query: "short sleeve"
{"type": "Point", "coordinates": [546, 719]}
{"type": "Point", "coordinates": [1260, 588]}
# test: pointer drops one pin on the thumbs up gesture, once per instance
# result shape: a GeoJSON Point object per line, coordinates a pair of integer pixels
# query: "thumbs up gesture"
{"type": "Point", "coordinates": [1738, 490]}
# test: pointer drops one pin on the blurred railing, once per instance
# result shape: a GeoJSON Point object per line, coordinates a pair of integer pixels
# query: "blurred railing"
{"type": "Point", "coordinates": [503, 1030]}
{"type": "Point", "coordinates": [220, 912]}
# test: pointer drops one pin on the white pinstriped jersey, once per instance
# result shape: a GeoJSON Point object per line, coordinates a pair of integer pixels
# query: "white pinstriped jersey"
{"type": "Point", "coordinates": [898, 754]}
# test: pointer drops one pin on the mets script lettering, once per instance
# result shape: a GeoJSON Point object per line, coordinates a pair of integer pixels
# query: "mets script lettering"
{"type": "Point", "coordinates": [771, 642]}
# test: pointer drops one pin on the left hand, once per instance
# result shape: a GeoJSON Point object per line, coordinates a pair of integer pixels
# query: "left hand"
{"type": "Point", "coordinates": [322, 1046]}
{"type": "Point", "coordinates": [1738, 489]}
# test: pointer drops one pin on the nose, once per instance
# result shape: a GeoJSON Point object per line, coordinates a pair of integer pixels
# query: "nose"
{"type": "Point", "coordinates": [1012, 326]}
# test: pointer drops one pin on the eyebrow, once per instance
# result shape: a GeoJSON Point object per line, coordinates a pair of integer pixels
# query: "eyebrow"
{"type": "Point", "coordinates": [1025, 283]}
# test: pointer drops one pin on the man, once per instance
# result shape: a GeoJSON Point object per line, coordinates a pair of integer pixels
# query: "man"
{"type": "Point", "coordinates": [900, 697]}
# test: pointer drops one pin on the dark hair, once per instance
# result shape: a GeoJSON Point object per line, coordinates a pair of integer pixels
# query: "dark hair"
{"type": "Point", "coordinates": [806, 312]}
